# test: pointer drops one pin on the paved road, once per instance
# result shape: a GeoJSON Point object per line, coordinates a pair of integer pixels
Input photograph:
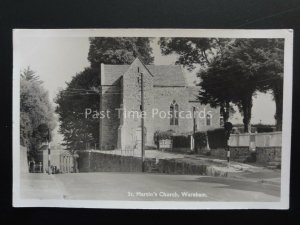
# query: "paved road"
{"type": "Point", "coordinates": [137, 186]}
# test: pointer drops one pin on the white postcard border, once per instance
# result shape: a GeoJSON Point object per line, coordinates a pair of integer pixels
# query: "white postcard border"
{"type": "Point", "coordinates": [287, 34]}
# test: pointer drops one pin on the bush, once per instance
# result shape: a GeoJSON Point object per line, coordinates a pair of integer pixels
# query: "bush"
{"type": "Point", "coordinates": [200, 140]}
{"type": "Point", "coordinates": [181, 141]}
{"type": "Point", "coordinates": [162, 135]}
{"type": "Point", "coordinates": [216, 138]}
{"type": "Point", "coordinates": [263, 129]}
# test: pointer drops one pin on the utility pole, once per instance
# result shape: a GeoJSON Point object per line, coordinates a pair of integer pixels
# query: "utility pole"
{"type": "Point", "coordinates": [194, 129]}
{"type": "Point", "coordinates": [228, 129]}
{"type": "Point", "coordinates": [142, 122]}
{"type": "Point", "coordinates": [49, 151]}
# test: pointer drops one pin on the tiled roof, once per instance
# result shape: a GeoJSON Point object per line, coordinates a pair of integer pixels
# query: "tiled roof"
{"type": "Point", "coordinates": [164, 75]}
{"type": "Point", "coordinates": [167, 75]}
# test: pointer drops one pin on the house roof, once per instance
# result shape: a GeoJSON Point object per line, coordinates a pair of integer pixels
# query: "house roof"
{"type": "Point", "coordinates": [164, 75]}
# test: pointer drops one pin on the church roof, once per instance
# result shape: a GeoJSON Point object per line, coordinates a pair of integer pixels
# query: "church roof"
{"type": "Point", "coordinates": [164, 75]}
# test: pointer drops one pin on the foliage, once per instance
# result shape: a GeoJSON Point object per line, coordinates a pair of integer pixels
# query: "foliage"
{"type": "Point", "coordinates": [162, 135]}
{"type": "Point", "coordinates": [121, 50]}
{"type": "Point", "coordinates": [238, 74]}
{"type": "Point", "coordinates": [181, 141]}
{"type": "Point", "coordinates": [201, 51]}
{"type": "Point", "coordinates": [35, 108]}
{"type": "Point", "coordinates": [273, 68]}
{"type": "Point", "coordinates": [233, 70]}
{"type": "Point", "coordinates": [200, 140]}
{"type": "Point", "coordinates": [216, 138]}
{"type": "Point", "coordinates": [193, 51]}
{"type": "Point", "coordinates": [72, 102]}
{"type": "Point", "coordinates": [262, 128]}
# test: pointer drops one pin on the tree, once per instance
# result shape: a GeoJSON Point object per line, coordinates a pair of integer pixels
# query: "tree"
{"type": "Point", "coordinates": [35, 109]}
{"type": "Point", "coordinates": [243, 69]}
{"type": "Point", "coordinates": [273, 68]}
{"type": "Point", "coordinates": [214, 90]}
{"type": "Point", "coordinates": [81, 92]}
{"type": "Point", "coordinates": [232, 70]}
{"type": "Point", "coordinates": [203, 52]}
{"type": "Point", "coordinates": [71, 104]}
{"type": "Point", "coordinates": [121, 50]}
{"type": "Point", "coordinates": [193, 51]}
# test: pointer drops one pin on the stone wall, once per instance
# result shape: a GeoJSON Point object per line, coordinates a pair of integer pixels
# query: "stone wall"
{"type": "Point", "coordinates": [131, 85]}
{"type": "Point", "coordinates": [268, 154]}
{"type": "Point", "coordinates": [109, 124]}
{"type": "Point", "coordinates": [100, 162]}
{"type": "Point", "coordinates": [201, 111]}
{"type": "Point", "coordinates": [240, 154]}
{"type": "Point", "coordinates": [164, 96]}
{"type": "Point", "coordinates": [262, 155]}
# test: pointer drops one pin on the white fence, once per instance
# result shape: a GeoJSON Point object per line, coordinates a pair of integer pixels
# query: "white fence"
{"type": "Point", "coordinates": [272, 139]}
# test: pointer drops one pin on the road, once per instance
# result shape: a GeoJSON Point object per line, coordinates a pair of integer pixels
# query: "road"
{"type": "Point", "coordinates": [161, 187]}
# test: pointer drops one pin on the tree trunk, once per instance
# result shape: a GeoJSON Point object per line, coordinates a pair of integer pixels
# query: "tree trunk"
{"type": "Point", "coordinates": [226, 115]}
{"type": "Point", "coordinates": [278, 97]}
{"type": "Point", "coordinates": [246, 108]}
{"type": "Point", "coordinates": [225, 108]}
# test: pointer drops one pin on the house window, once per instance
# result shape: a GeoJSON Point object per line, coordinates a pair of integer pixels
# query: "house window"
{"type": "Point", "coordinates": [174, 113]}
{"type": "Point", "coordinates": [208, 120]}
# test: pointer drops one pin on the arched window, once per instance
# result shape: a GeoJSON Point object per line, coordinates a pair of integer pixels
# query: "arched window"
{"type": "Point", "coordinates": [208, 120]}
{"type": "Point", "coordinates": [171, 114]}
{"type": "Point", "coordinates": [174, 113]}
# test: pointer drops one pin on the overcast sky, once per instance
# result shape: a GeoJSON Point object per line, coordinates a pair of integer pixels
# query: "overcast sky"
{"type": "Point", "coordinates": [57, 59]}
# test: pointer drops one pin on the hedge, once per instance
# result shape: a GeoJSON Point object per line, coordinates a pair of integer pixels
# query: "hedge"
{"type": "Point", "coordinates": [216, 138]}
{"type": "Point", "coordinates": [264, 129]}
{"type": "Point", "coordinates": [181, 141]}
{"type": "Point", "coordinates": [162, 135]}
{"type": "Point", "coordinates": [200, 140]}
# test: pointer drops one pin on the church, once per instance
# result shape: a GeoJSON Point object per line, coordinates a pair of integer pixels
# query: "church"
{"type": "Point", "coordinates": [169, 104]}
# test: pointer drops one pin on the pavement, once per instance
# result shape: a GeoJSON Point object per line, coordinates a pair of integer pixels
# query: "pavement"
{"type": "Point", "coordinates": [147, 187]}
{"type": "Point", "coordinates": [243, 182]}
{"type": "Point", "coordinates": [40, 186]}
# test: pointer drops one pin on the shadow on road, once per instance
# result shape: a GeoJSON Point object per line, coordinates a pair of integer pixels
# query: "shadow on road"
{"type": "Point", "coordinates": [243, 185]}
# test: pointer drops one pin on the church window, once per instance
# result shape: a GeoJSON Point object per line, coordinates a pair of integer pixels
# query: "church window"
{"type": "Point", "coordinates": [174, 113]}
{"type": "Point", "coordinates": [208, 120]}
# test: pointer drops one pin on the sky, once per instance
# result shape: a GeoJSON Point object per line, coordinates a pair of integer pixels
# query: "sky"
{"type": "Point", "coordinates": [56, 59]}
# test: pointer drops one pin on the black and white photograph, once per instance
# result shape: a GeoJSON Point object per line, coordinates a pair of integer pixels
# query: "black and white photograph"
{"type": "Point", "coordinates": [152, 118]}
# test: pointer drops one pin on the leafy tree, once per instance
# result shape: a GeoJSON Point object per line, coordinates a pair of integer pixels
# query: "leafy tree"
{"type": "Point", "coordinates": [214, 90]}
{"type": "Point", "coordinates": [82, 91]}
{"type": "Point", "coordinates": [233, 70]}
{"type": "Point", "coordinates": [243, 69]}
{"type": "Point", "coordinates": [273, 68]}
{"type": "Point", "coordinates": [30, 75]}
{"type": "Point", "coordinates": [71, 104]}
{"type": "Point", "coordinates": [193, 51]}
{"type": "Point", "coordinates": [35, 109]}
{"type": "Point", "coordinates": [121, 50]}
{"type": "Point", "coordinates": [204, 52]}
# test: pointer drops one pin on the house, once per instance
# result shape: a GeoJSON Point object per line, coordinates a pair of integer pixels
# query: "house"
{"type": "Point", "coordinates": [168, 104]}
